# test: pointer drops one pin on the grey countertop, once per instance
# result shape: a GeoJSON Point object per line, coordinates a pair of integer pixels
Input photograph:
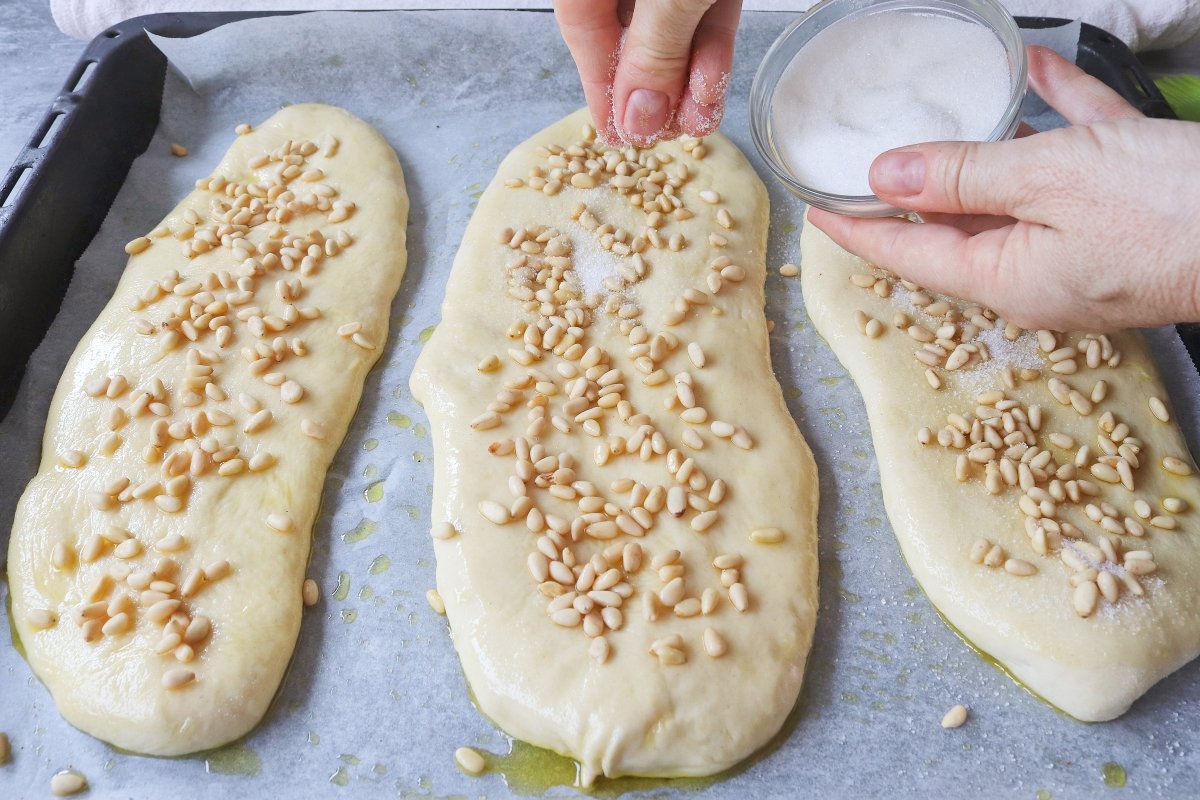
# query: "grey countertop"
{"type": "Point", "coordinates": [35, 57]}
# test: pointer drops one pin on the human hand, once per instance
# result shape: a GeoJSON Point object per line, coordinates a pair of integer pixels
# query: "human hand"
{"type": "Point", "coordinates": [651, 69]}
{"type": "Point", "coordinates": [1091, 227]}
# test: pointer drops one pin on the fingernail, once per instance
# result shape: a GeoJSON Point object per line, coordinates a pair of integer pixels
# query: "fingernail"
{"type": "Point", "coordinates": [898, 174]}
{"type": "Point", "coordinates": [646, 112]}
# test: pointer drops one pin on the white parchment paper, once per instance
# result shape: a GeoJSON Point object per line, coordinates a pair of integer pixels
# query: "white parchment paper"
{"type": "Point", "coordinates": [375, 703]}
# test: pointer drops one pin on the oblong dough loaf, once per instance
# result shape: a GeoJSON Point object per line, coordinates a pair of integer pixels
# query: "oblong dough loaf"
{"type": "Point", "coordinates": [69, 562]}
{"type": "Point", "coordinates": [635, 713]}
{"type": "Point", "coordinates": [1092, 667]}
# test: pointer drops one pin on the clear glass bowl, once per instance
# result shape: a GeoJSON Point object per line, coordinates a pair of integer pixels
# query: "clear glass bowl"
{"type": "Point", "coordinates": [983, 12]}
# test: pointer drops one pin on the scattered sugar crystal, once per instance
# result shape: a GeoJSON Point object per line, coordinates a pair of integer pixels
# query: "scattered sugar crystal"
{"type": "Point", "coordinates": [1020, 354]}
{"type": "Point", "coordinates": [591, 262]}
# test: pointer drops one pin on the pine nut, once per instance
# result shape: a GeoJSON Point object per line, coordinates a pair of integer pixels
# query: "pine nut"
{"type": "Point", "coordinates": [67, 783]}
{"type": "Point", "coordinates": [177, 678]}
{"type": "Point", "coordinates": [955, 717]}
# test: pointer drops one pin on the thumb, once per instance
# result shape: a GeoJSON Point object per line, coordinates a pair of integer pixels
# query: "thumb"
{"type": "Point", "coordinates": [653, 67]}
{"type": "Point", "coordinates": [959, 177]}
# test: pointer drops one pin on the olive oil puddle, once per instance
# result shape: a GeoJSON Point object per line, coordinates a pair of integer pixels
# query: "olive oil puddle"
{"type": "Point", "coordinates": [984, 656]}
{"type": "Point", "coordinates": [233, 759]}
{"type": "Point", "coordinates": [533, 771]}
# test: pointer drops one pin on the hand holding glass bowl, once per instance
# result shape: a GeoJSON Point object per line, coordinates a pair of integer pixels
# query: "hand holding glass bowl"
{"type": "Point", "coordinates": [1089, 227]}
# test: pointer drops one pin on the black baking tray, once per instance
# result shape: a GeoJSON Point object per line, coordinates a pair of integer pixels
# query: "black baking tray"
{"type": "Point", "coordinates": [59, 189]}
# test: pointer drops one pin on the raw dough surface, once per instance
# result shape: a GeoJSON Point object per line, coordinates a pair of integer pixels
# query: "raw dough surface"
{"type": "Point", "coordinates": [632, 714]}
{"type": "Point", "coordinates": [1092, 668]}
{"type": "Point", "coordinates": [112, 687]}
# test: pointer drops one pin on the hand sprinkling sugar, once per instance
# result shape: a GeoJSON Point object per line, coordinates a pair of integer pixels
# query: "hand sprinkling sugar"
{"type": "Point", "coordinates": [1090, 227]}
{"type": "Point", "coordinates": [652, 69]}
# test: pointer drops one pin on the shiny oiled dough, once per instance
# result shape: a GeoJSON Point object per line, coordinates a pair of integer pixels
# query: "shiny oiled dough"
{"type": "Point", "coordinates": [112, 688]}
{"type": "Point", "coordinates": [535, 679]}
{"type": "Point", "coordinates": [1092, 668]}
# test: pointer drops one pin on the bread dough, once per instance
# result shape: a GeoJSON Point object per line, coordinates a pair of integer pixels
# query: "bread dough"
{"type": "Point", "coordinates": [85, 549]}
{"type": "Point", "coordinates": [638, 712]}
{"type": "Point", "coordinates": [1092, 667]}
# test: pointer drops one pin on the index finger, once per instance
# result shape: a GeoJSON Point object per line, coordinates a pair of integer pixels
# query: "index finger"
{"type": "Point", "coordinates": [939, 257]}
{"type": "Point", "coordinates": [1080, 98]}
{"type": "Point", "coordinates": [703, 103]}
{"type": "Point", "coordinates": [592, 30]}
